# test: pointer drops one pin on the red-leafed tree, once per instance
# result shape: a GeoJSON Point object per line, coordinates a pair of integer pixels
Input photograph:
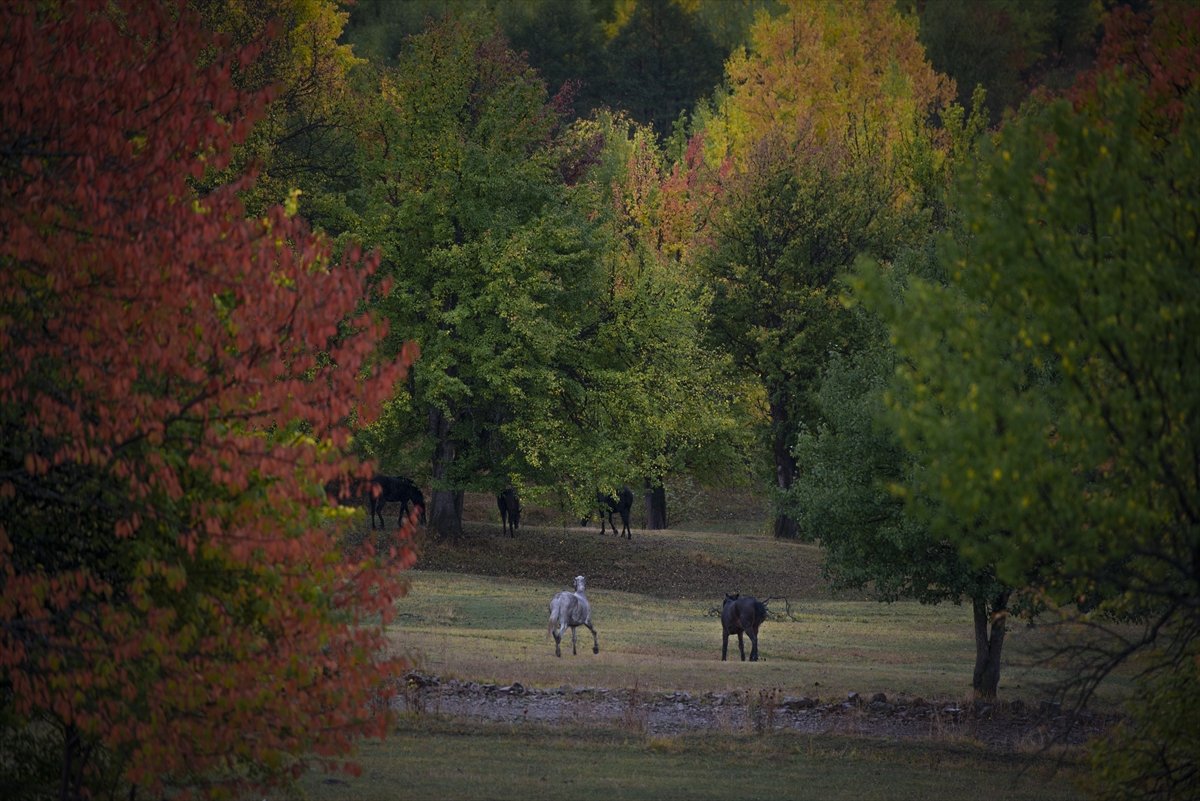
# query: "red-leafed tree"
{"type": "Point", "coordinates": [174, 385]}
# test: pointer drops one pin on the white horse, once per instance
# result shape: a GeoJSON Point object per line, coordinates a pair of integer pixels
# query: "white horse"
{"type": "Point", "coordinates": [571, 609]}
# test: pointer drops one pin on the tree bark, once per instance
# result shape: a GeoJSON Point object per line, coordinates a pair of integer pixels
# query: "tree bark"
{"type": "Point", "coordinates": [785, 468]}
{"type": "Point", "coordinates": [445, 505]}
{"type": "Point", "coordinates": [988, 644]}
{"type": "Point", "coordinates": [656, 505]}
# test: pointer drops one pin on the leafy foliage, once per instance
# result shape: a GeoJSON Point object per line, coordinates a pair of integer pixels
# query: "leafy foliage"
{"type": "Point", "coordinates": [849, 493]}
{"type": "Point", "coordinates": [303, 140]}
{"type": "Point", "coordinates": [1047, 392]}
{"type": "Point", "coordinates": [675, 402]}
{"type": "Point", "coordinates": [834, 73]}
{"type": "Point", "coordinates": [652, 59]}
{"type": "Point", "coordinates": [812, 131]}
{"type": "Point", "coordinates": [853, 491]}
{"type": "Point", "coordinates": [1008, 47]}
{"type": "Point", "coordinates": [495, 271]}
{"type": "Point", "coordinates": [172, 399]}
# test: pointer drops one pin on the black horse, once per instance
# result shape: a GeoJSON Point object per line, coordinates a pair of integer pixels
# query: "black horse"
{"type": "Point", "coordinates": [394, 489]}
{"type": "Point", "coordinates": [740, 615]}
{"type": "Point", "coordinates": [621, 505]}
{"type": "Point", "coordinates": [510, 511]}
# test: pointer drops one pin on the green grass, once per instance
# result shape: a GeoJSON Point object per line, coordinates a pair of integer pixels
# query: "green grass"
{"type": "Point", "coordinates": [429, 758]}
{"type": "Point", "coordinates": [493, 629]}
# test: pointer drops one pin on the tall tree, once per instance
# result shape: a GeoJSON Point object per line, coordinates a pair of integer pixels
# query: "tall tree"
{"type": "Point", "coordinates": [676, 404]}
{"type": "Point", "coordinates": [1050, 379]}
{"type": "Point", "coordinates": [854, 495]}
{"type": "Point", "coordinates": [172, 397]}
{"type": "Point", "coordinates": [495, 273]}
{"type": "Point", "coordinates": [810, 129]}
{"type": "Point", "coordinates": [848, 492]}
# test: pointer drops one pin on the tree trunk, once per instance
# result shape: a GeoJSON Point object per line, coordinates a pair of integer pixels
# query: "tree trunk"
{"type": "Point", "coordinates": [785, 468]}
{"type": "Point", "coordinates": [656, 505]}
{"type": "Point", "coordinates": [71, 779]}
{"type": "Point", "coordinates": [445, 505]}
{"type": "Point", "coordinates": [988, 644]}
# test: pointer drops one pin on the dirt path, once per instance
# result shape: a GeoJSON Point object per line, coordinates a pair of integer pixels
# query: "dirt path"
{"type": "Point", "coordinates": [1011, 726]}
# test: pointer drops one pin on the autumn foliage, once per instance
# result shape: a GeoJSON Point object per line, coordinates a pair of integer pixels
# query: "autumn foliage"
{"type": "Point", "coordinates": [1159, 47]}
{"type": "Point", "coordinates": [174, 385]}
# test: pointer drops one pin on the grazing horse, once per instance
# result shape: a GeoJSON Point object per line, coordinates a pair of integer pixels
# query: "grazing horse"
{"type": "Point", "coordinates": [393, 489]}
{"type": "Point", "coordinates": [571, 609]}
{"type": "Point", "coordinates": [621, 505]}
{"type": "Point", "coordinates": [510, 510]}
{"type": "Point", "coordinates": [740, 615]}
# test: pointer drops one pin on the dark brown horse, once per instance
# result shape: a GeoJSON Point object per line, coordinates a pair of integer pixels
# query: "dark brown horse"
{"type": "Point", "coordinates": [742, 615]}
{"type": "Point", "coordinates": [621, 505]}
{"type": "Point", "coordinates": [510, 511]}
{"type": "Point", "coordinates": [394, 489]}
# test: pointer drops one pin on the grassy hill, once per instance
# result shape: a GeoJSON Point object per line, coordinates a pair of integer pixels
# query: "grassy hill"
{"type": "Point", "coordinates": [732, 553]}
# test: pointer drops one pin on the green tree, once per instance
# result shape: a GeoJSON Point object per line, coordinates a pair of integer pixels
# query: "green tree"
{"type": "Point", "coordinates": [493, 271]}
{"type": "Point", "coordinates": [809, 136]}
{"type": "Point", "coordinates": [848, 492]}
{"type": "Point", "coordinates": [565, 44]}
{"type": "Point", "coordinates": [658, 62]}
{"type": "Point", "coordinates": [851, 494]}
{"type": "Point", "coordinates": [1048, 388]}
{"type": "Point", "coordinates": [650, 58]}
{"type": "Point", "coordinates": [675, 402]}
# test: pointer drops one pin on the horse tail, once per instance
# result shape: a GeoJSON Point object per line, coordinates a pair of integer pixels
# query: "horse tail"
{"type": "Point", "coordinates": [554, 611]}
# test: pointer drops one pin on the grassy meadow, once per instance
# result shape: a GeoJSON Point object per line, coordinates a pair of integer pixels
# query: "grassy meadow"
{"type": "Point", "coordinates": [493, 629]}
{"type": "Point", "coordinates": [430, 758]}
{"type": "Point", "coordinates": [477, 611]}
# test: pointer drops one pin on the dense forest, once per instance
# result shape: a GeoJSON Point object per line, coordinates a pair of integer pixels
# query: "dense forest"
{"type": "Point", "coordinates": [918, 270]}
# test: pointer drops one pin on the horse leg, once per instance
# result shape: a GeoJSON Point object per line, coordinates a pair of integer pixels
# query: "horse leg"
{"type": "Point", "coordinates": [595, 638]}
{"type": "Point", "coordinates": [741, 647]}
{"type": "Point", "coordinates": [573, 651]}
{"type": "Point", "coordinates": [557, 632]}
{"type": "Point", "coordinates": [373, 504]}
{"type": "Point", "coordinates": [753, 634]}
{"type": "Point", "coordinates": [725, 646]}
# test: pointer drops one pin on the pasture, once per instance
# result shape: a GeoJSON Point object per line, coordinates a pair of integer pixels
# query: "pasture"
{"type": "Point", "coordinates": [477, 613]}
{"type": "Point", "coordinates": [493, 630]}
